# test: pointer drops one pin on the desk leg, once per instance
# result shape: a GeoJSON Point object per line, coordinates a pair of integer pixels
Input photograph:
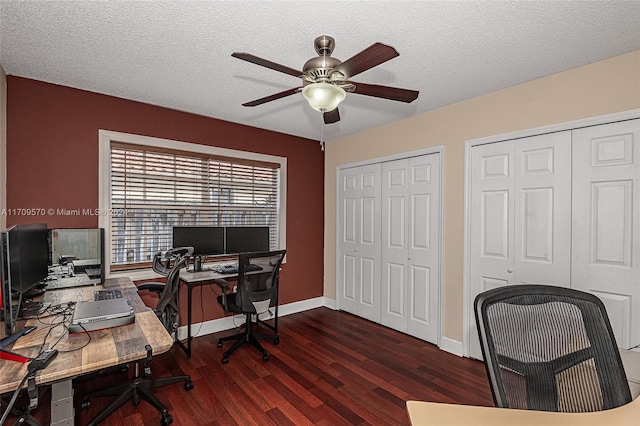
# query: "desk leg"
{"type": "Point", "coordinates": [187, 348]}
{"type": "Point", "coordinates": [62, 411]}
{"type": "Point", "coordinates": [189, 303]}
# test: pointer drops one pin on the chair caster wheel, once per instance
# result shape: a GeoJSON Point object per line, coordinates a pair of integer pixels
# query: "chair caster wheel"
{"type": "Point", "coordinates": [188, 385]}
{"type": "Point", "coordinates": [219, 344]}
{"type": "Point", "coordinates": [86, 405]}
{"type": "Point", "coordinates": [265, 357]}
{"type": "Point", "coordinates": [166, 420]}
{"type": "Point", "coordinates": [225, 359]}
{"type": "Point", "coordinates": [276, 341]}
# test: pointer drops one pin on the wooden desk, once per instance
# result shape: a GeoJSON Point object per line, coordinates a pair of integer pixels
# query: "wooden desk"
{"type": "Point", "coordinates": [432, 413]}
{"type": "Point", "coordinates": [107, 348]}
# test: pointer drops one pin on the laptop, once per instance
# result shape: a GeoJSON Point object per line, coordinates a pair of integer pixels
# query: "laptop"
{"type": "Point", "coordinates": [101, 310]}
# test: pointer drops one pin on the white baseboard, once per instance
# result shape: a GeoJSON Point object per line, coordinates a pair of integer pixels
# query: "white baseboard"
{"type": "Point", "coordinates": [228, 323]}
{"type": "Point", "coordinates": [330, 303]}
{"type": "Point", "coordinates": [451, 346]}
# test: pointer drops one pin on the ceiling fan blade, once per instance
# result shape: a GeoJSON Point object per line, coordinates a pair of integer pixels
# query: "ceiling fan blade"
{"type": "Point", "coordinates": [331, 117]}
{"type": "Point", "coordinates": [370, 57]}
{"type": "Point", "coordinates": [266, 63]}
{"type": "Point", "coordinates": [385, 92]}
{"type": "Point", "coordinates": [272, 97]}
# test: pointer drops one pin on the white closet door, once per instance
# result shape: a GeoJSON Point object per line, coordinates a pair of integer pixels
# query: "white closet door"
{"type": "Point", "coordinates": [410, 273]}
{"type": "Point", "coordinates": [395, 250]}
{"type": "Point", "coordinates": [358, 286]}
{"type": "Point", "coordinates": [424, 255]}
{"type": "Point", "coordinates": [520, 216]}
{"type": "Point", "coordinates": [606, 218]}
{"type": "Point", "coordinates": [491, 224]}
{"type": "Point", "coordinates": [543, 210]}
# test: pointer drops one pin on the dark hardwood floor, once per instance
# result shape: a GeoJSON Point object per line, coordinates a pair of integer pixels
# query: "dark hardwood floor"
{"type": "Point", "coordinates": [330, 368]}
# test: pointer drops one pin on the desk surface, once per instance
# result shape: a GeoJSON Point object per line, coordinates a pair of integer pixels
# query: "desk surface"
{"type": "Point", "coordinates": [210, 274]}
{"type": "Point", "coordinates": [432, 413]}
{"type": "Point", "coordinates": [107, 348]}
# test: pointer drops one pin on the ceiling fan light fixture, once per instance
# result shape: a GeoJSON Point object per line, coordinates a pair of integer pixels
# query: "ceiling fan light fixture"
{"type": "Point", "coordinates": [323, 97]}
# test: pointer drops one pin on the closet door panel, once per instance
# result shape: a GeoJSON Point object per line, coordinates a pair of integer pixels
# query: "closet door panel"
{"type": "Point", "coordinates": [359, 242]}
{"type": "Point", "coordinates": [348, 245]}
{"type": "Point", "coordinates": [491, 225]}
{"type": "Point", "coordinates": [543, 210]}
{"type": "Point", "coordinates": [423, 259]}
{"type": "Point", "coordinates": [394, 244]}
{"type": "Point", "coordinates": [369, 243]}
{"type": "Point", "coordinates": [606, 238]}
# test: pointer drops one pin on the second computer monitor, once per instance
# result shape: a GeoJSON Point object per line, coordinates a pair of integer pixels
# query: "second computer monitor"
{"type": "Point", "coordinates": [241, 239]}
{"type": "Point", "coordinates": [205, 240]}
{"type": "Point", "coordinates": [82, 248]}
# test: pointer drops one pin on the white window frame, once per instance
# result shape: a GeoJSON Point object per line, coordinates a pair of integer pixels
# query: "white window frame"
{"type": "Point", "coordinates": [106, 137]}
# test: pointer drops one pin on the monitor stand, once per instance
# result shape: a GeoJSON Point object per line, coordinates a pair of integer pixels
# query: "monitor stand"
{"type": "Point", "coordinates": [34, 292]}
{"type": "Point", "coordinates": [12, 356]}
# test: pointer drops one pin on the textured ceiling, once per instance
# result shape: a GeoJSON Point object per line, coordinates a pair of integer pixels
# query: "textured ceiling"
{"type": "Point", "coordinates": [178, 54]}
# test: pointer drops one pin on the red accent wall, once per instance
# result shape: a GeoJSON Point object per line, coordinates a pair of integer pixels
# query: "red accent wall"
{"type": "Point", "coordinates": [52, 163]}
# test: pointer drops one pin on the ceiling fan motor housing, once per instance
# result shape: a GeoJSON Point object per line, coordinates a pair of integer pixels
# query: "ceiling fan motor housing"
{"type": "Point", "coordinates": [318, 69]}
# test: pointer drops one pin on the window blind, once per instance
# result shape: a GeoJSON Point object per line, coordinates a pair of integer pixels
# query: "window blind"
{"type": "Point", "coordinates": [153, 190]}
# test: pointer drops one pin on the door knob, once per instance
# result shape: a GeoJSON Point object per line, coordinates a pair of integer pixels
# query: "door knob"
{"type": "Point", "coordinates": [509, 270]}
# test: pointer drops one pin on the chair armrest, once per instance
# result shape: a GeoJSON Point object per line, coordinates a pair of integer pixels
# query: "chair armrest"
{"type": "Point", "coordinates": [152, 286]}
{"type": "Point", "coordinates": [224, 284]}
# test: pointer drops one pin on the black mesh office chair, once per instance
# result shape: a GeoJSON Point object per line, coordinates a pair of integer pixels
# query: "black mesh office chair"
{"type": "Point", "coordinates": [257, 291]}
{"type": "Point", "coordinates": [167, 307]}
{"type": "Point", "coordinates": [549, 348]}
{"type": "Point", "coordinates": [168, 312]}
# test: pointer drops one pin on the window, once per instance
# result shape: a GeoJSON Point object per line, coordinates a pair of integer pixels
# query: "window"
{"type": "Point", "coordinates": [151, 185]}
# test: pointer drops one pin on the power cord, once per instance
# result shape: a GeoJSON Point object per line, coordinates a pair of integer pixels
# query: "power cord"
{"type": "Point", "coordinates": [13, 398]}
{"type": "Point", "coordinates": [63, 313]}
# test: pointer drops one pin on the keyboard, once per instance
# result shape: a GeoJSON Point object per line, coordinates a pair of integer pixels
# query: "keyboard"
{"type": "Point", "coordinates": [106, 295]}
{"type": "Point", "coordinates": [233, 269]}
{"type": "Point", "coordinates": [93, 272]}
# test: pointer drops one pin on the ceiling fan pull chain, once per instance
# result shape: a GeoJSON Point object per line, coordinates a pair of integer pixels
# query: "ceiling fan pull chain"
{"type": "Point", "coordinates": [322, 131]}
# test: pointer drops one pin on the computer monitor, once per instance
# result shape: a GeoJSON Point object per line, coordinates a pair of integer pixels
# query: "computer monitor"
{"type": "Point", "coordinates": [33, 257]}
{"type": "Point", "coordinates": [24, 263]}
{"type": "Point", "coordinates": [205, 240]}
{"type": "Point", "coordinates": [241, 239]}
{"type": "Point", "coordinates": [8, 315]}
{"type": "Point", "coordinates": [82, 248]}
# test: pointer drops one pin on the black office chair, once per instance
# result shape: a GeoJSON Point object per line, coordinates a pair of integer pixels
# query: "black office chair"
{"type": "Point", "coordinates": [257, 291]}
{"type": "Point", "coordinates": [168, 312]}
{"type": "Point", "coordinates": [167, 307]}
{"type": "Point", "coordinates": [549, 348]}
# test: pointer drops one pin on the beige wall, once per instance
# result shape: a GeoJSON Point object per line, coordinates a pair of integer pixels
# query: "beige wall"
{"type": "Point", "coordinates": [605, 87]}
{"type": "Point", "coordinates": [3, 148]}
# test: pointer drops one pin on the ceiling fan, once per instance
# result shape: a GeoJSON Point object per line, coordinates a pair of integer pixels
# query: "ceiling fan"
{"type": "Point", "coordinates": [325, 79]}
